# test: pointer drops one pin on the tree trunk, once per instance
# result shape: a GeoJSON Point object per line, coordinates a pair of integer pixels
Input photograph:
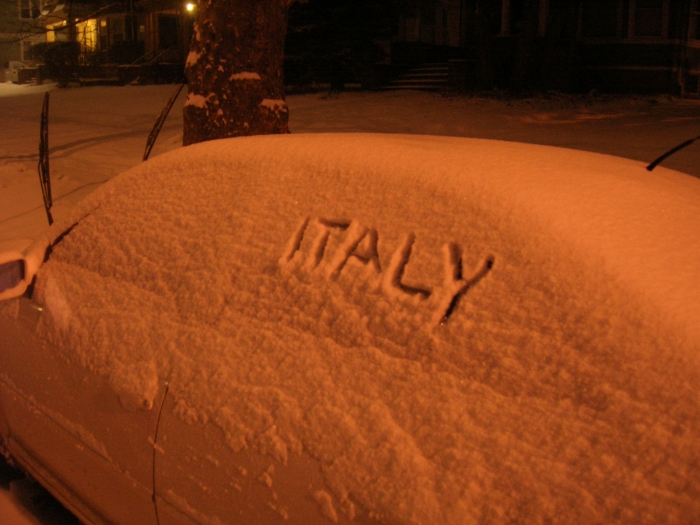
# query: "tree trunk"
{"type": "Point", "coordinates": [235, 70]}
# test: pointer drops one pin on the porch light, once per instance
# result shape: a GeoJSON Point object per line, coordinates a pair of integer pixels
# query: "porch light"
{"type": "Point", "coordinates": [189, 6]}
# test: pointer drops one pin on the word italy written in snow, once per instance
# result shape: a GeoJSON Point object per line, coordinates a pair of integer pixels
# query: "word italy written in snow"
{"type": "Point", "coordinates": [360, 243]}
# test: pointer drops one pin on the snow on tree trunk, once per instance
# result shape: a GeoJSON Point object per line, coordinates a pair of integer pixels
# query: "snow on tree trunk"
{"type": "Point", "coordinates": [235, 70]}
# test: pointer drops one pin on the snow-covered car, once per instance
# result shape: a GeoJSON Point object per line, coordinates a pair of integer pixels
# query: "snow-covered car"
{"type": "Point", "coordinates": [361, 328]}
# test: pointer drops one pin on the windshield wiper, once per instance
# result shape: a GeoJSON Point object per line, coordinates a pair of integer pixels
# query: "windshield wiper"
{"type": "Point", "coordinates": [671, 152]}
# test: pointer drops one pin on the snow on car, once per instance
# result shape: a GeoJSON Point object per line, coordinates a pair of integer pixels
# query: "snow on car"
{"type": "Point", "coordinates": [363, 328]}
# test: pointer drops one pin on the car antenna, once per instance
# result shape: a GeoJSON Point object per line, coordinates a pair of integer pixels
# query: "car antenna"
{"type": "Point", "coordinates": [44, 174]}
{"type": "Point", "coordinates": [671, 152]}
{"type": "Point", "coordinates": [159, 123]}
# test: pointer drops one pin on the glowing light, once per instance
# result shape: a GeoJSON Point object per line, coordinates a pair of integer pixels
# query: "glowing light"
{"type": "Point", "coordinates": [189, 6]}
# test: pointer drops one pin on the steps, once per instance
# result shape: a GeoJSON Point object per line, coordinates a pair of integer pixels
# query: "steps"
{"type": "Point", "coordinates": [425, 77]}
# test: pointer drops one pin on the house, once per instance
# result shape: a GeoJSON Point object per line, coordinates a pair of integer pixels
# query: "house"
{"type": "Point", "coordinates": [610, 45]}
{"type": "Point", "coordinates": [521, 45]}
{"type": "Point", "coordinates": [634, 44]}
{"type": "Point", "coordinates": [151, 36]}
{"type": "Point", "coordinates": [20, 28]}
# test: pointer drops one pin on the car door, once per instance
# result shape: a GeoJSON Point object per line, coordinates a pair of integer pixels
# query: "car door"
{"type": "Point", "coordinates": [202, 479]}
{"type": "Point", "coordinates": [69, 428]}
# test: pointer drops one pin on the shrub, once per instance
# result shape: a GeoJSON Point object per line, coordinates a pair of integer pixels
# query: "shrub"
{"type": "Point", "coordinates": [60, 60]}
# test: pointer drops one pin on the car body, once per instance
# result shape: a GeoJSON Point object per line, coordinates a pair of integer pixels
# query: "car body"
{"type": "Point", "coordinates": [363, 328]}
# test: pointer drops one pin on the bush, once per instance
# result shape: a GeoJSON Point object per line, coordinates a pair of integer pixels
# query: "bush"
{"type": "Point", "coordinates": [60, 60]}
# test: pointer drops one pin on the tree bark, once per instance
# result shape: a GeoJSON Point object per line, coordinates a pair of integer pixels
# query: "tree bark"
{"type": "Point", "coordinates": [235, 70]}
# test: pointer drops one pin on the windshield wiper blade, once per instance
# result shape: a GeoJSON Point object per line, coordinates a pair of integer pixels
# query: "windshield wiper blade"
{"type": "Point", "coordinates": [671, 152]}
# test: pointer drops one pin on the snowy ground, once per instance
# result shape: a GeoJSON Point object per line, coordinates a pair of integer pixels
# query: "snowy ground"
{"type": "Point", "coordinates": [96, 133]}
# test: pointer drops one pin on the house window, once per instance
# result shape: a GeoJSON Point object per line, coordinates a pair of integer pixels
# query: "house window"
{"type": "Point", "coordinates": [512, 15]}
{"type": "Point", "coordinates": [167, 31]}
{"type": "Point", "coordinates": [600, 19]}
{"type": "Point", "coordinates": [29, 9]}
{"type": "Point", "coordinates": [57, 32]}
{"type": "Point", "coordinates": [116, 29]}
{"type": "Point", "coordinates": [648, 18]}
{"type": "Point", "coordinates": [695, 21]}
